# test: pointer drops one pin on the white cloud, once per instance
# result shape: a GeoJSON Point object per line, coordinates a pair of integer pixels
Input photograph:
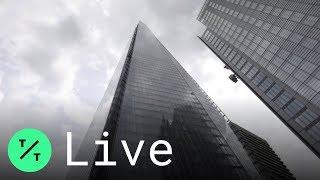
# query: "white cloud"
{"type": "Point", "coordinates": [56, 58]}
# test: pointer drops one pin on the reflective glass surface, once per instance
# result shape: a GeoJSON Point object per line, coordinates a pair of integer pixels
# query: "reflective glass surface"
{"type": "Point", "coordinates": [273, 46]}
{"type": "Point", "coordinates": [156, 99]}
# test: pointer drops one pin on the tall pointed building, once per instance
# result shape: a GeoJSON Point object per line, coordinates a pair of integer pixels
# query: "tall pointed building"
{"type": "Point", "coordinates": [273, 47]}
{"type": "Point", "coordinates": [151, 97]}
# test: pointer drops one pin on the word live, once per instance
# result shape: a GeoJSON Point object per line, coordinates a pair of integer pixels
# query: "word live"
{"type": "Point", "coordinates": [132, 160]}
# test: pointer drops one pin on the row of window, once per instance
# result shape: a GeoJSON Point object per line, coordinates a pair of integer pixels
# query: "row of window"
{"type": "Point", "coordinates": [307, 42]}
{"type": "Point", "coordinates": [193, 84]}
{"type": "Point", "coordinates": [140, 108]}
{"type": "Point", "coordinates": [159, 81]}
{"type": "Point", "coordinates": [294, 108]}
{"type": "Point", "coordinates": [248, 42]}
{"type": "Point", "coordinates": [270, 28]}
{"type": "Point", "coordinates": [275, 11]}
{"type": "Point", "coordinates": [292, 71]}
{"type": "Point", "coordinates": [159, 94]}
{"type": "Point", "coordinates": [145, 86]}
{"type": "Point", "coordinates": [273, 29]}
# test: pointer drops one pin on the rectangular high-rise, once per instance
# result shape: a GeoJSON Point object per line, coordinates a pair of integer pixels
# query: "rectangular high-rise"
{"type": "Point", "coordinates": [273, 47]}
{"type": "Point", "coordinates": [151, 97]}
{"type": "Point", "coordinates": [262, 155]}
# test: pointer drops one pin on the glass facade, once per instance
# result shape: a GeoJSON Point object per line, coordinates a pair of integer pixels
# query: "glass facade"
{"type": "Point", "coordinates": [155, 99]}
{"type": "Point", "coordinates": [262, 155]}
{"type": "Point", "coordinates": [273, 46]}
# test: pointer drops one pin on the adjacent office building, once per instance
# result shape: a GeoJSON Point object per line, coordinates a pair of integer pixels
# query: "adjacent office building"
{"type": "Point", "coordinates": [262, 155]}
{"type": "Point", "coordinates": [273, 47]}
{"type": "Point", "coordinates": [151, 97]}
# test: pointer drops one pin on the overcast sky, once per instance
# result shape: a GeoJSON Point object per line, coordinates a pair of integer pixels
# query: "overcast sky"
{"type": "Point", "coordinates": [57, 57]}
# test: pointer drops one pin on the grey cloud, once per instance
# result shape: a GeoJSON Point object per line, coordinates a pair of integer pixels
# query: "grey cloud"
{"type": "Point", "coordinates": [68, 30]}
{"type": "Point", "coordinates": [48, 42]}
{"type": "Point", "coordinates": [65, 31]}
{"type": "Point", "coordinates": [74, 46]}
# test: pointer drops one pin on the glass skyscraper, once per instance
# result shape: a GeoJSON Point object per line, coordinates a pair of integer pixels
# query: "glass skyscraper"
{"type": "Point", "coordinates": [273, 47]}
{"type": "Point", "coordinates": [262, 155]}
{"type": "Point", "coordinates": [151, 97]}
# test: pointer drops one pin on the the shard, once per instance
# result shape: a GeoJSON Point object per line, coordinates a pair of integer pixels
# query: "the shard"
{"type": "Point", "coordinates": [151, 97]}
